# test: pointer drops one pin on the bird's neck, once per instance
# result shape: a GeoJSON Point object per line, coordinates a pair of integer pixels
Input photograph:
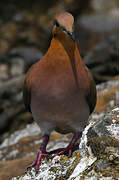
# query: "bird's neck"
{"type": "Point", "coordinates": [66, 48]}
{"type": "Point", "coordinates": [62, 45]}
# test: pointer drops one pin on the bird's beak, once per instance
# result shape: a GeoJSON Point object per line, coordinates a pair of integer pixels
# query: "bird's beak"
{"type": "Point", "coordinates": [72, 35]}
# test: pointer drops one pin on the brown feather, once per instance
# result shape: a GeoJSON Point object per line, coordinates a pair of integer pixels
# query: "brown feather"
{"type": "Point", "coordinates": [92, 93]}
{"type": "Point", "coordinates": [27, 96]}
{"type": "Point", "coordinates": [27, 89]}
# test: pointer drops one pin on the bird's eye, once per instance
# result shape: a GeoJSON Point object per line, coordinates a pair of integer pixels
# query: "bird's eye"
{"type": "Point", "coordinates": [57, 24]}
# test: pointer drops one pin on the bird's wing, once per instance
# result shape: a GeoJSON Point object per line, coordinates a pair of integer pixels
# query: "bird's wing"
{"type": "Point", "coordinates": [92, 93]}
{"type": "Point", "coordinates": [27, 93]}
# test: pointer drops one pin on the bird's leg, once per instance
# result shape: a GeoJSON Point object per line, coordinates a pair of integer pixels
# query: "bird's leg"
{"type": "Point", "coordinates": [42, 153]}
{"type": "Point", "coordinates": [71, 145]}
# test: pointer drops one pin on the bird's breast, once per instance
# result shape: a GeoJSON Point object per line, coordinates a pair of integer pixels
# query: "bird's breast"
{"type": "Point", "coordinates": [54, 85]}
{"type": "Point", "coordinates": [55, 96]}
{"type": "Point", "coordinates": [67, 113]}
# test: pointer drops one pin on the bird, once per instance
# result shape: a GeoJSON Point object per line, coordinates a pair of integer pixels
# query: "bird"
{"type": "Point", "coordinates": [59, 89]}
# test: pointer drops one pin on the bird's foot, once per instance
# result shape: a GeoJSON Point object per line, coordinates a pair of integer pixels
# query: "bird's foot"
{"type": "Point", "coordinates": [68, 150]}
{"type": "Point", "coordinates": [40, 156]}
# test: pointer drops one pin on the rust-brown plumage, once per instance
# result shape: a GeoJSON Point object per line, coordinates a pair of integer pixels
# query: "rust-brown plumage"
{"type": "Point", "coordinates": [59, 90]}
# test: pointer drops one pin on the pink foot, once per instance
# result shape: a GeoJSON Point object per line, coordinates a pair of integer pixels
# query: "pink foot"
{"type": "Point", "coordinates": [70, 147]}
{"type": "Point", "coordinates": [62, 151]}
{"type": "Point", "coordinates": [40, 156]}
{"type": "Point", "coordinates": [41, 153]}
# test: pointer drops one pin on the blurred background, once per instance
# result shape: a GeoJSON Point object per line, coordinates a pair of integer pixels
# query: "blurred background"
{"type": "Point", "coordinates": [25, 34]}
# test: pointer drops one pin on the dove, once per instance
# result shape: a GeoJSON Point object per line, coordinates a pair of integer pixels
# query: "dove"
{"type": "Point", "coordinates": [59, 89]}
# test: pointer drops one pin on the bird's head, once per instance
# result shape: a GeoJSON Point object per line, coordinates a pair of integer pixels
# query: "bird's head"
{"type": "Point", "coordinates": [64, 25]}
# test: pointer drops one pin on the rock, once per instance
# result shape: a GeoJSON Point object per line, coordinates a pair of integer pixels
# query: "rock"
{"type": "Point", "coordinates": [13, 67]}
{"type": "Point", "coordinates": [30, 23]}
{"type": "Point", "coordinates": [11, 103]}
{"type": "Point", "coordinates": [8, 168]}
{"type": "Point", "coordinates": [29, 54]}
{"type": "Point", "coordinates": [104, 5]}
{"type": "Point", "coordinates": [3, 72]}
{"type": "Point", "coordinates": [103, 59]}
{"type": "Point", "coordinates": [97, 156]}
{"type": "Point", "coordinates": [17, 67]}
{"type": "Point", "coordinates": [105, 16]}
{"type": "Point", "coordinates": [97, 24]}
{"type": "Point", "coordinates": [103, 22]}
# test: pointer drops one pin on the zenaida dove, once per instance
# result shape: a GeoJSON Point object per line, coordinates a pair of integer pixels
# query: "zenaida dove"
{"type": "Point", "coordinates": [59, 89]}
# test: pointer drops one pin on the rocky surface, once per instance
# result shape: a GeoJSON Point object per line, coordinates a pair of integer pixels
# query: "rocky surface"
{"type": "Point", "coordinates": [96, 157]}
{"type": "Point", "coordinates": [103, 60]}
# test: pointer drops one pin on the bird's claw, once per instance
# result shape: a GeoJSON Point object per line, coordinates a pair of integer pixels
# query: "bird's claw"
{"type": "Point", "coordinates": [41, 155]}
{"type": "Point", "coordinates": [64, 151]}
